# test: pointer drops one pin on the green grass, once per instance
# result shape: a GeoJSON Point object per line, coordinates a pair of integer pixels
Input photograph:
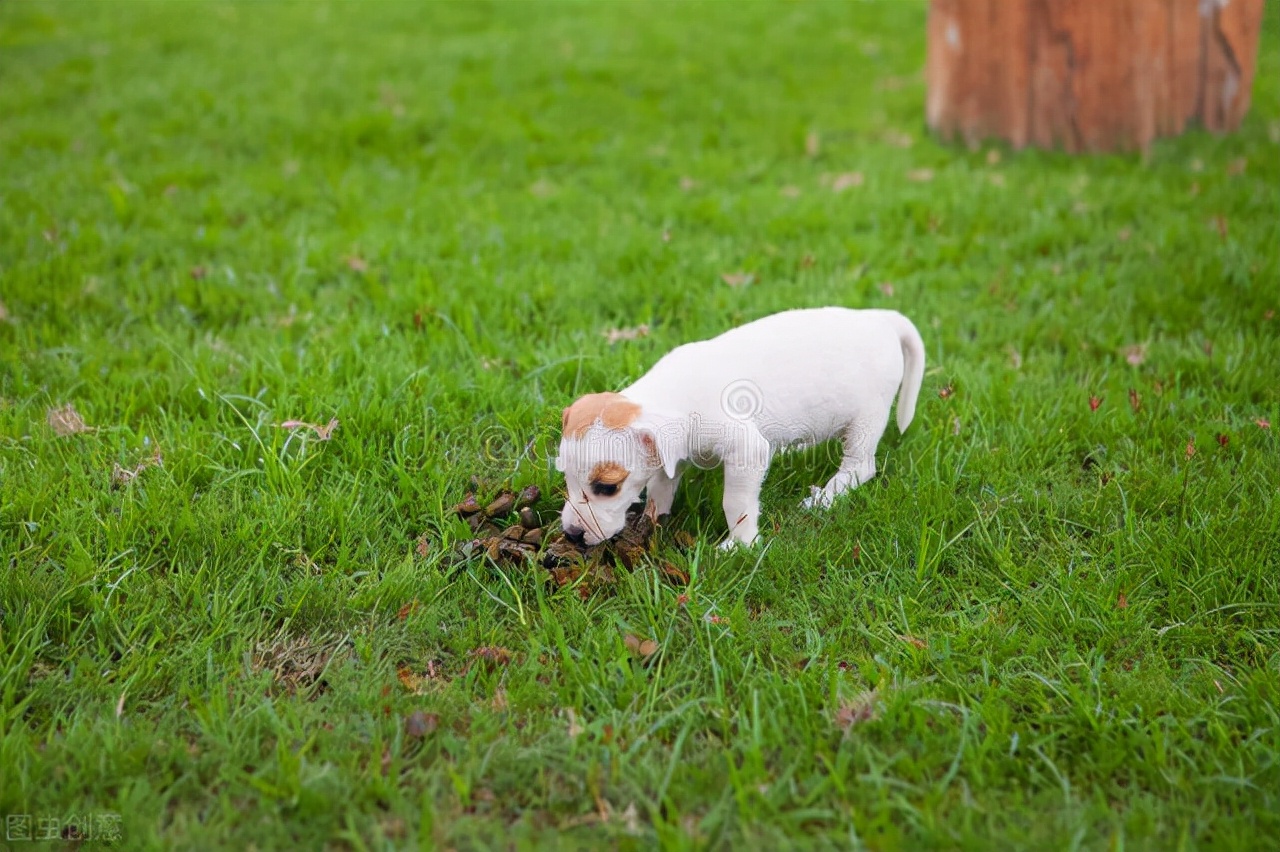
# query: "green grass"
{"type": "Point", "coordinates": [419, 219]}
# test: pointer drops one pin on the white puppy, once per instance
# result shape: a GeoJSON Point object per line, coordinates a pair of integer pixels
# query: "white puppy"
{"type": "Point", "coordinates": [787, 380]}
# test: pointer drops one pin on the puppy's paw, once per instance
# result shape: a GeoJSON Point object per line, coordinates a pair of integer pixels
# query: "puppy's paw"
{"type": "Point", "coordinates": [731, 544]}
{"type": "Point", "coordinates": [817, 499]}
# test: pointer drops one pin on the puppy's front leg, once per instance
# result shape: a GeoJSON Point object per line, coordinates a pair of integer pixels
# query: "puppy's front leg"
{"type": "Point", "coordinates": [662, 491]}
{"type": "Point", "coordinates": [744, 472]}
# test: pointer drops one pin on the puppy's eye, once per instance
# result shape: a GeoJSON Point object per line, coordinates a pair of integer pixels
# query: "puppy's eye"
{"type": "Point", "coordinates": [603, 489]}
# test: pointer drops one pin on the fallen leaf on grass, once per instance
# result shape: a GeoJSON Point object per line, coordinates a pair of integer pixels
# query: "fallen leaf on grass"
{"type": "Point", "coordinates": [863, 707]}
{"type": "Point", "coordinates": [846, 180]}
{"type": "Point", "coordinates": [643, 648]}
{"type": "Point", "coordinates": [913, 641]}
{"type": "Point", "coordinates": [613, 335]}
{"type": "Point", "coordinates": [423, 546]}
{"type": "Point", "coordinates": [575, 730]}
{"type": "Point", "coordinates": [411, 680]}
{"type": "Point", "coordinates": [812, 144]}
{"type": "Point", "coordinates": [198, 273]}
{"type": "Point", "coordinates": [1015, 358]}
{"type": "Point", "coordinates": [1222, 226]}
{"type": "Point", "coordinates": [1136, 353]}
{"type": "Point", "coordinates": [323, 433]}
{"type": "Point", "coordinates": [1124, 234]}
{"type": "Point", "coordinates": [1191, 448]}
{"type": "Point", "coordinates": [67, 421]}
{"type": "Point", "coordinates": [688, 184]}
{"type": "Point", "coordinates": [898, 139]}
{"type": "Point", "coordinates": [737, 279]}
{"type": "Point", "coordinates": [356, 263]}
{"type": "Point", "coordinates": [1237, 166]}
{"type": "Point", "coordinates": [675, 574]}
{"type": "Point", "coordinates": [1223, 439]}
{"type": "Point", "coordinates": [491, 655]}
{"type": "Point", "coordinates": [1122, 602]}
{"type": "Point", "coordinates": [885, 287]}
{"type": "Point", "coordinates": [408, 609]}
{"type": "Point", "coordinates": [419, 723]}
{"type": "Point", "coordinates": [1135, 400]}
{"type": "Point", "coordinates": [993, 157]}
{"type": "Point", "coordinates": [542, 188]}
{"type": "Point", "coordinates": [121, 475]}
{"type": "Point", "coordinates": [920, 175]}
{"type": "Point", "coordinates": [1094, 402]}
{"type": "Point", "coordinates": [790, 191]}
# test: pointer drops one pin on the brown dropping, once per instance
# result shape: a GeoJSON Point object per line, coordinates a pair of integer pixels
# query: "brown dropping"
{"type": "Point", "coordinates": [533, 536]}
{"type": "Point", "coordinates": [420, 723]}
{"type": "Point", "coordinates": [492, 548]}
{"type": "Point", "coordinates": [685, 540]}
{"type": "Point", "coordinates": [528, 518]}
{"type": "Point", "coordinates": [469, 506]}
{"type": "Point", "coordinates": [514, 533]}
{"type": "Point", "coordinates": [504, 503]}
{"type": "Point", "coordinates": [529, 495]}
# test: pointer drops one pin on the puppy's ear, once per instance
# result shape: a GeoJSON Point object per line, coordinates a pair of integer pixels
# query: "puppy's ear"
{"type": "Point", "coordinates": [665, 438]}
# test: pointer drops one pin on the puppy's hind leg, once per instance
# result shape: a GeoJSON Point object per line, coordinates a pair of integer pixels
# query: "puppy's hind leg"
{"type": "Point", "coordinates": [858, 465]}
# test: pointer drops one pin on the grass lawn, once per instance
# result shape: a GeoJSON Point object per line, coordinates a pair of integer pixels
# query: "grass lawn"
{"type": "Point", "coordinates": [1051, 622]}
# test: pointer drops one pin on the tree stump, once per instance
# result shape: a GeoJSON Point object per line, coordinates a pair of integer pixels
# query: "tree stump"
{"type": "Point", "coordinates": [1088, 75]}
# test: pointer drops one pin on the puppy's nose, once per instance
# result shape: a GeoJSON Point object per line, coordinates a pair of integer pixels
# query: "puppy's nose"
{"type": "Point", "coordinates": [574, 534]}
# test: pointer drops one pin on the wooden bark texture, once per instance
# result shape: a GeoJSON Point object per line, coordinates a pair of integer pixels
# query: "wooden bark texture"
{"type": "Point", "coordinates": [1088, 75]}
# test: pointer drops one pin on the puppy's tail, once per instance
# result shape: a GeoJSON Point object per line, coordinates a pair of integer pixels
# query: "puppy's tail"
{"type": "Point", "coordinates": [912, 368]}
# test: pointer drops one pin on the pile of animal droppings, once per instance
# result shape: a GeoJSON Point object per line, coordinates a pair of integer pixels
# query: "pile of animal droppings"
{"type": "Point", "coordinates": [508, 529]}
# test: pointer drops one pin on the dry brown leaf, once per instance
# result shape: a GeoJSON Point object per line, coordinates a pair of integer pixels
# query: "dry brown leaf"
{"type": "Point", "coordinates": [1094, 402]}
{"type": "Point", "coordinates": [899, 139]}
{"type": "Point", "coordinates": [996, 179]}
{"type": "Point", "coordinates": [913, 641]}
{"type": "Point", "coordinates": [846, 180]}
{"type": "Point", "coordinates": [1191, 448]}
{"type": "Point", "coordinates": [1135, 400]}
{"type": "Point", "coordinates": [955, 425]}
{"type": "Point", "coordinates": [885, 287]}
{"type": "Point", "coordinates": [323, 433]}
{"type": "Point", "coordinates": [542, 188]}
{"type": "Point", "coordinates": [1136, 354]}
{"type": "Point", "coordinates": [790, 191]}
{"type": "Point", "coordinates": [863, 707]}
{"type": "Point", "coordinates": [198, 273]}
{"type": "Point", "coordinates": [67, 421]}
{"type": "Point", "coordinates": [920, 175]}
{"type": "Point", "coordinates": [419, 723]}
{"type": "Point", "coordinates": [575, 730]}
{"type": "Point", "coordinates": [1015, 358]}
{"type": "Point", "coordinates": [1124, 234]}
{"type": "Point", "coordinates": [411, 680]}
{"type": "Point", "coordinates": [356, 263]}
{"type": "Point", "coordinates": [688, 184]}
{"type": "Point", "coordinates": [491, 655]}
{"type": "Point", "coordinates": [408, 609]}
{"type": "Point", "coordinates": [1221, 224]}
{"type": "Point", "coordinates": [737, 279]}
{"type": "Point", "coordinates": [1237, 166]}
{"type": "Point", "coordinates": [993, 157]}
{"type": "Point", "coordinates": [423, 546]}
{"type": "Point", "coordinates": [812, 144]}
{"type": "Point", "coordinates": [1122, 602]}
{"type": "Point", "coordinates": [499, 702]}
{"type": "Point", "coordinates": [1223, 439]}
{"type": "Point", "coordinates": [121, 475]}
{"type": "Point", "coordinates": [613, 335]}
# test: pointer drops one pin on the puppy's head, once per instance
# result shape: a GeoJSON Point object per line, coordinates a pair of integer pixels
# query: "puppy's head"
{"type": "Point", "coordinates": [608, 454]}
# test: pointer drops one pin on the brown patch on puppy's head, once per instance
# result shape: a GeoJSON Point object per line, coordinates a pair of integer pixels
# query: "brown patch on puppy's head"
{"type": "Point", "coordinates": [608, 473]}
{"type": "Point", "coordinates": [613, 410]}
